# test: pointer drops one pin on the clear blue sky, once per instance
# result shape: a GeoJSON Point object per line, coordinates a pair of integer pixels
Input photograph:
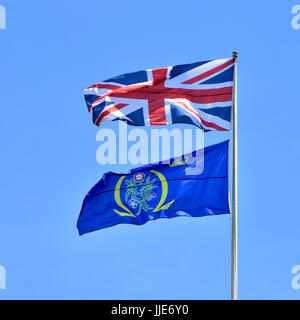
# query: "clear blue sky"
{"type": "Point", "coordinates": [50, 51]}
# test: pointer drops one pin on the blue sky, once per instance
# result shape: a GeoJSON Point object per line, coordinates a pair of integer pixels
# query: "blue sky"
{"type": "Point", "coordinates": [50, 51]}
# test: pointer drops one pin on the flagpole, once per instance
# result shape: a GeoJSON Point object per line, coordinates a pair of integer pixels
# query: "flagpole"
{"type": "Point", "coordinates": [234, 262]}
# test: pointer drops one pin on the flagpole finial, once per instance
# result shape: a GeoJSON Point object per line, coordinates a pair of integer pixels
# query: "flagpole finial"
{"type": "Point", "coordinates": [235, 54]}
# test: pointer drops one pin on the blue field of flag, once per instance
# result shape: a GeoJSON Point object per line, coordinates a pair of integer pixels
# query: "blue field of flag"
{"type": "Point", "coordinates": [159, 191]}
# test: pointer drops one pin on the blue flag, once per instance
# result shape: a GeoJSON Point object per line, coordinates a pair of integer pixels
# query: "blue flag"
{"type": "Point", "coordinates": [164, 190]}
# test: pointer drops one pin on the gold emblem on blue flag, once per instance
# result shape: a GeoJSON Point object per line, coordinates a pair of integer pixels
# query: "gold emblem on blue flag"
{"type": "Point", "coordinates": [142, 192]}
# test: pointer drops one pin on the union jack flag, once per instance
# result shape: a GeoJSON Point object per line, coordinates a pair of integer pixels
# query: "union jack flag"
{"type": "Point", "coordinates": [198, 93]}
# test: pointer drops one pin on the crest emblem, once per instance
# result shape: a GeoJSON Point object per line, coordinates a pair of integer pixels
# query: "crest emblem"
{"type": "Point", "coordinates": [142, 193]}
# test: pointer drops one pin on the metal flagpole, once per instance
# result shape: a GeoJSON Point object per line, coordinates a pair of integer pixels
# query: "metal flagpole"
{"type": "Point", "coordinates": [234, 267]}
